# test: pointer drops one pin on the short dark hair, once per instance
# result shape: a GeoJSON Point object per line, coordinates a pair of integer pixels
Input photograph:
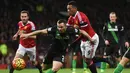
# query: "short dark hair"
{"type": "Point", "coordinates": [61, 21]}
{"type": "Point", "coordinates": [73, 3]}
{"type": "Point", "coordinates": [113, 13]}
{"type": "Point", "coordinates": [24, 11]}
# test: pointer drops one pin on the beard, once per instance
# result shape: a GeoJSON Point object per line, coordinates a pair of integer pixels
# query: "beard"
{"type": "Point", "coordinates": [24, 22]}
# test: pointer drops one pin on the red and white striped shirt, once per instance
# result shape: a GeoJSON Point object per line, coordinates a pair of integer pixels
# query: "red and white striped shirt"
{"type": "Point", "coordinates": [80, 18]}
{"type": "Point", "coordinates": [29, 27]}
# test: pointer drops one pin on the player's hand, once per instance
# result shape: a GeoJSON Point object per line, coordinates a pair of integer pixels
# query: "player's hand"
{"type": "Point", "coordinates": [24, 36]}
{"type": "Point", "coordinates": [107, 42]}
{"type": "Point", "coordinates": [76, 26]}
{"type": "Point", "coordinates": [15, 37]}
{"type": "Point", "coordinates": [93, 41]}
{"type": "Point", "coordinates": [127, 44]}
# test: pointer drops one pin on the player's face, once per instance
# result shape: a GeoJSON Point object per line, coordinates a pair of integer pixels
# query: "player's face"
{"type": "Point", "coordinates": [112, 17]}
{"type": "Point", "coordinates": [71, 10]}
{"type": "Point", "coordinates": [24, 17]}
{"type": "Point", "coordinates": [61, 27]}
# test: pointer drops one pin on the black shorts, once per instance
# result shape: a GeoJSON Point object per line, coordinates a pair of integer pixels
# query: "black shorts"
{"type": "Point", "coordinates": [112, 50]}
{"type": "Point", "coordinates": [54, 57]}
{"type": "Point", "coordinates": [127, 54]}
{"type": "Point", "coordinates": [55, 54]}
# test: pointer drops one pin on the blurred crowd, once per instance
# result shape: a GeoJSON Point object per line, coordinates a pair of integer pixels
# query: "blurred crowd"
{"type": "Point", "coordinates": [45, 13]}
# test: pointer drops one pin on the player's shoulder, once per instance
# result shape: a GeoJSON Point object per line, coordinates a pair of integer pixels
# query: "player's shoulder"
{"type": "Point", "coordinates": [81, 13]}
{"type": "Point", "coordinates": [70, 17]}
{"type": "Point", "coordinates": [30, 22]}
{"type": "Point", "coordinates": [20, 22]}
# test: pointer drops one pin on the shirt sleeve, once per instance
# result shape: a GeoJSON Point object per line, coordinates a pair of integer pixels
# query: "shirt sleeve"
{"type": "Point", "coordinates": [33, 27]}
{"type": "Point", "coordinates": [84, 21]}
{"type": "Point", "coordinates": [51, 30]}
{"type": "Point", "coordinates": [105, 31]}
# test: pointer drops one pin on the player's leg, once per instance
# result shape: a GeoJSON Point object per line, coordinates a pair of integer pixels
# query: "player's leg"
{"type": "Point", "coordinates": [76, 47]}
{"type": "Point", "coordinates": [107, 56]}
{"type": "Point", "coordinates": [117, 56]}
{"type": "Point", "coordinates": [123, 62]}
{"type": "Point", "coordinates": [88, 61]}
{"type": "Point", "coordinates": [90, 49]}
{"type": "Point", "coordinates": [82, 47]}
{"type": "Point", "coordinates": [47, 60]}
{"type": "Point", "coordinates": [32, 55]}
{"type": "Point", "coordinates": [43, 63]}
{"type": "Point", "coordinates": [57, 64]}
{"type": "Point", "coordinates": [103, 64]}
{"type": "Point", "coordinates": [91, 65]}
{"type": "Point", "coordinates": [85, 66]}
{"type": "Point", "coordinates": [78, 51]}
{"type": "Point", "coordinates": [74, 60]}
{"type": "Point", "coordinates": [19, 54]}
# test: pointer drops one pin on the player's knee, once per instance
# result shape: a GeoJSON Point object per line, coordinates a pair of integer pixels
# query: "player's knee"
{"type": "Point", "coordinates": [57, 67]}
{"type": "Point", "coordinates": [75, 57]}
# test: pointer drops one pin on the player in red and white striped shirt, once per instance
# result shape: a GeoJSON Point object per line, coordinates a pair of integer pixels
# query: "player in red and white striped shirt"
{"type": "Point", "coordinates": [27, 45]}
{"type": "Point", "coordinates": [88, 44]}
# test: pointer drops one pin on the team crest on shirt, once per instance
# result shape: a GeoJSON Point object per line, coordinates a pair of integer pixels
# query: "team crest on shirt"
{"type": "Point", "coordinates": [76, 22]}
{"type": "Point", "coordinates": [25, 28]}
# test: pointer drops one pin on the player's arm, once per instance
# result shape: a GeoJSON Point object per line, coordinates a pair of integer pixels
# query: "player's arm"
{"type": "Point", "coordinates": [33, 37]}
{"type": "Point", "coordinates": [16, 35]}
{"type": "Point", "coordinates": [126, 40]}
{"type": "Point", "coordinates": [32, 34]}
{"type": "Point", "coordinates": [86, 34]}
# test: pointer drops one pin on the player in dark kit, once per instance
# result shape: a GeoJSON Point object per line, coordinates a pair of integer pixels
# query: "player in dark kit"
{"type": "Point", "coordinates": [61, 36]}
{"type": "Point", "coordinates": [126, 58]}
{"type": "Point", "coordinates": [111, 35]}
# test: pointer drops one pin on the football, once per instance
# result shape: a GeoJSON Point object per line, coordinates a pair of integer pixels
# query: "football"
{"type": "Point", "coordinates": [18, 64]}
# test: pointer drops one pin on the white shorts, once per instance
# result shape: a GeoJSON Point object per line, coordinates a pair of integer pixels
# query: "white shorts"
{"type": "Point", "coordinates": [30, 51]}
{"type": "Point", "coordinates": [88, 49]}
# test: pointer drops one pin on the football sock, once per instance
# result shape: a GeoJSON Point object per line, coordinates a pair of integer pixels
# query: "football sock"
{"type": "Point", "coordinates": [84, 65]}
{"type": "Point", "coordinates": [119, 68]}
{"type": "Point", "coordinates": [50, 71]}
{"type": "Point", "coordinates": [11, 70]}
{"type": "Point", "coordinates": [73, 65]}
{"type": "Point", "coordinates": [103, 66]}
{"type": "Point", "coordinates": [39, 67]}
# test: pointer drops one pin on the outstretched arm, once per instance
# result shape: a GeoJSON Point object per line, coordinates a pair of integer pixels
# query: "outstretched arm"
{"type": "Point", "coordinates": [33, 37]}
{"type": "Point", "coordinates": [44, 31]}
{"type": "Point", "coordinates": [16, 35]}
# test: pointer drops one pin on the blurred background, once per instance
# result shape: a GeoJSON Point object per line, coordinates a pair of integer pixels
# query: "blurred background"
{"type": "Point", "coordinates": [45, 13]}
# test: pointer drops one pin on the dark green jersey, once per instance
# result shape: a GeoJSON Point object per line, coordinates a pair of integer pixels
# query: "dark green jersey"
{"type": "Point", "coordinates": [115, 27]}
{"type": "Point", "coordinates": [61, 40]}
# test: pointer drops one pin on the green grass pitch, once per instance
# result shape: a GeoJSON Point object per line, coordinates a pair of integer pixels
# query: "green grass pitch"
{"type": "Point", "coordinates": [61, 71]}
